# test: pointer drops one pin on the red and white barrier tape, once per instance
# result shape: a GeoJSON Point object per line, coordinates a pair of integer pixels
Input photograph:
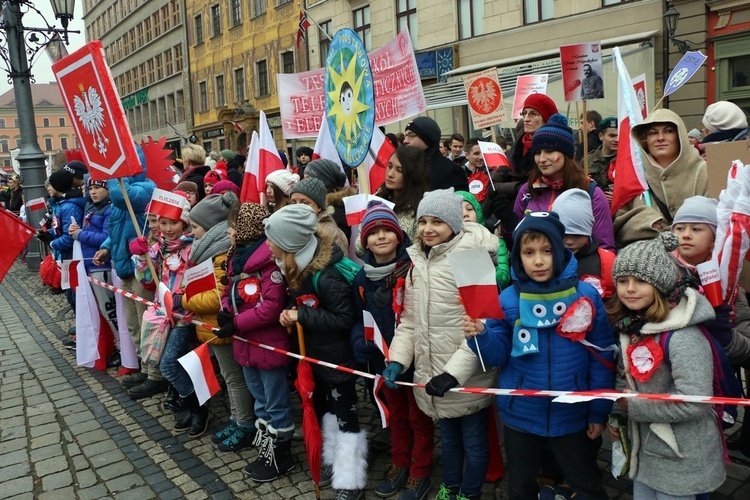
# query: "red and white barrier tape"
{"type": "Point", "coordinates": [560, 396]}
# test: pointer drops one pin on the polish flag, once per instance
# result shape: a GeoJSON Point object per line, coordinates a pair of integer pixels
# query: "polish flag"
{"type": "Point", "coordinates": [69, 274]}
{"type": "Point", "coordinates": [324, 147]}
{"type": "Point", "coordinates": [383, 409]}
{"type": "Point", "coordinates": [474, 273]}
{"type": "Point", "coordinates": [628, 172]}
{"type": "Point", "coordinates": [198, 366]}
{"type": "Point", "coordinates": [372, 333]}
{"type": "Point", "coordinates": [166, 204]}
{"type": "Point", "coordinates": [199, 279]}
{"type": "Point", "coordinates": [377, 158]}
{"type": "Point", "coordinates": [128, 355]}
{"type": "Point", "coordinates": [494, 156]}
{"type": "Point", "coordinates": [16, 234]}
{"type": "Point", "coordinates": [356, 205]}
{"type": "Point", "coordinates": [238, 127]}
{"type": "Point", "coordinates": [165, 299]}
{"type": "Point", "coordinates": [262, 159]}
{"type": "Point", "coordinates": [35, 204]}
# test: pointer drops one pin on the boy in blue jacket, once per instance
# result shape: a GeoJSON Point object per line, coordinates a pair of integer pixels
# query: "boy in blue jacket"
{"type": "Point", "coordinates": [537, 348]}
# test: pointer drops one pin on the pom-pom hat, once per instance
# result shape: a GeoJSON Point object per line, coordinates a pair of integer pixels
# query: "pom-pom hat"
{"type": "Point", "coordinates": [283, 180]}
{"type": "Point", "coordinates": [376, 216]}
{"type": "Point", "coordinates": [649, 261]}
{"type": "Point", "coordinates": [555, 135]}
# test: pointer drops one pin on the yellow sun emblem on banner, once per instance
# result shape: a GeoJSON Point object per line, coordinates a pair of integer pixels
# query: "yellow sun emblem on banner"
{"type": "Point", "coordinates": [346, 105]}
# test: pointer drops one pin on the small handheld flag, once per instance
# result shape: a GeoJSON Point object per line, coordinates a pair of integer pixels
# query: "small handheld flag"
{"type": "Point", "coordinates": [198, 366]}
{"type": "Point", "coordinates": [372, 333]}
{"type": "Point", "coordinates": [200, 278]}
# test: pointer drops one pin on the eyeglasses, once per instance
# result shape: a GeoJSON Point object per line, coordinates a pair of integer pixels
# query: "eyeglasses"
{"type": "Point", "coordinates": [409, 134]}
{"type": "Point", "coordinates": [530, 113]}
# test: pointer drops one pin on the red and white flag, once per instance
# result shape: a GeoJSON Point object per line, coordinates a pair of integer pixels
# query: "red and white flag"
{"type": "Point", "coordinates": [324, 147]}
{"type": "Point", "coordinates": [69, 274]}
{"type": "Point", "coordinates": [238, 127]}
{"type": "Point", "coordinates": [35, 204]}
{"type": "Point", "coordinates": [474, 273]}
{"type": "Point", "coordinates": [377, 158]}
{"type": "Point", "coordinates": [128, 355]}
{"type": "Point", "coordinates": [198, 366]}
{"type": "Point", "coordinates": [165, 299]}
{"type": "Point", "coordinates": [372, 334]}
{"type": "Point", "coordinates": [356, 205]}
{"type": "Point", "coordinates": [494, 156]}
{"type": "Point", "coordinates": [199, 279]}
{"type": "Point", "coordinates": [166, 204]}
{"type": "Point", "coordinates": [16, 234]}
{"type": "Point", "coordinates": [630, 176]}
{"type": "Point", "coordinates": [262, 159]}
{"type": "Point", "coordinates": [383, 409]}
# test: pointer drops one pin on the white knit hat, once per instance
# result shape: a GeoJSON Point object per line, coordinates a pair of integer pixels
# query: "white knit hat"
{"type": "Point", "coordinates": [283, 180]}
{"type": "Point", "coordinates": [574, 208]}
{"type": "Point", "coordinates": [724, 115]}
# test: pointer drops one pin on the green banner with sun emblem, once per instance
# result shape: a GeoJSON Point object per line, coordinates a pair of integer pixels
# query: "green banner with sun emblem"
{"type": "Point", "coordinates": [350, 97]}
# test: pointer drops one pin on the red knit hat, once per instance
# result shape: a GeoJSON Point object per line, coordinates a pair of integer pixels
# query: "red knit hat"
{"type": "Point", "coordinates": [212, 177]}
{"type": "Point", "coordinates": [542, 105]}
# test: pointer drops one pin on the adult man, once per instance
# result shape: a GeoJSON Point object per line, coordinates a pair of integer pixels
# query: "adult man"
{"type": "Point", "coordinates": [424, 133]}
{"type": "Point", "coordinates": [457, 150]}
{"type": "Point", "coordinates": [593, 85]}
{"type": "Point", "coordinates": [601, 157]}
{"type": "Point", "coordinates": [588, 126]}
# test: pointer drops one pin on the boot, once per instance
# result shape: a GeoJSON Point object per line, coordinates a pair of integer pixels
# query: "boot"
{"type": "Point", "coordinates": [260, 438]}
{"type": "Point", "coordinates": [185, 418]}
{"type": "Point", "coordinates": [198, 421]}
{"type": "Point", "coordinates": [275, 458]}
{"type": "Point", "coordinates": [330, 430]}
{"type": "Point", "coordinates": [350, 465]}
{"type": "Point", "coordinates": [173, 401]}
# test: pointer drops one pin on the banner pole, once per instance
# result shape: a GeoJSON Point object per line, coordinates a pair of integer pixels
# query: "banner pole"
{"type": "Point", "coordinates": [585, 141]}
{"type": "Point", "coordinates": [137, 228]}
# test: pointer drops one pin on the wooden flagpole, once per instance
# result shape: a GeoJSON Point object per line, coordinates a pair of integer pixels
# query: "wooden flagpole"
{"type": "Point", "coordinates": [137, 228]}
{"type": "Point", "coordinates": [585, 142]}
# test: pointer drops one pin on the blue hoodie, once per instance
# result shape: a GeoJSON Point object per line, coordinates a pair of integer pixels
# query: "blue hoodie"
{"type": "Point", "coordinates": [62, 210]}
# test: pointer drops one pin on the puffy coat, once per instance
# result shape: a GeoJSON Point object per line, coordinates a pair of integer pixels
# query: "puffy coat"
{"type": "Point", "coordinates": [676, 448]}
{"type": "Point", "coordinates": [430, 333]}
{"type": "Point", "coordinates": [171, 266]}
{"type": "Point", "coordinates": [94, 232]}
{"type": "Point", "coordinates": [328, 226]}
{"type": "Point", "coordinates": [206, 305]}
{"type": "Point", "coordinates": [257, 314]}
{"type": "Point", "coordinates": [444, 173]}
{"type": "Point", "coordinates": [560, 365]}
{"type": "Point", "coordinates": [65, 208]}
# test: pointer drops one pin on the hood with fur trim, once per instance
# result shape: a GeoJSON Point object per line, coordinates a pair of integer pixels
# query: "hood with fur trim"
{"type": "Point", "coordinates": [336, 198]}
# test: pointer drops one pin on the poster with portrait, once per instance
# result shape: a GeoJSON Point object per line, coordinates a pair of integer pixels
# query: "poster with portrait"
{"type": "Point", "coordinates": [485, 98]}
{"type": "Point", "coordinates": [525, 86]}
{"type": "Point", "coordinates": [582, 71]}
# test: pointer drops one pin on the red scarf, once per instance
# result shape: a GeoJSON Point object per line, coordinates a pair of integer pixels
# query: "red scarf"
{"type": "Point", "coordinates": [553, 185]}
{"type": "Point", "coordinates": [526, 142]}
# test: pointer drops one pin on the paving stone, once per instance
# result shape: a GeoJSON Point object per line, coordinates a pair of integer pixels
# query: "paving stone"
{"type": "Point", "coordinates": [58, 494]}
{"type": "Point", "coordinates": [15, 457]}
{"type": "Point", "coordinates": [12, 445]}
{"type": "Point", "coordinates": [18, 486]}
{"type": "Point", "coordinates": [52, 482]}
{"type": "Point", "coordinates": [124, 483]}
{"type": "Point", "coordinates": [40, 454]}
{"type": "Point", "coordinates": [83, 427]}
{"type": "Point", "coordinates": [14, 471]}
{"type": "Point", "coordinates": [95, 492]}
{"type": "Point", "coordinates": [115, 470]}
{"type": "Point", "coordinates": [80, 463]}
{"type": "Point", "coordinates": [41, 430]}
{"type": "Point", "coordinates": [50, 466]}
{"type": "Point", "coordinates": [44, 441]}
{"type": "Point", "coordinates": [17, 431]}
{"type": "Point", "coordinates": [142, 493]}
{"type": "Point", "coordinates": [85, 478]}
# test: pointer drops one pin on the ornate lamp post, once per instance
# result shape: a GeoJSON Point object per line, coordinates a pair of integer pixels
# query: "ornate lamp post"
{"type": "Point", "coordinates": [19, 54]}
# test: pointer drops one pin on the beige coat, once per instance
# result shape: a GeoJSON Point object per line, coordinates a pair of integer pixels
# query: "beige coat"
{"type": "Point", "coordinates": [685, 177]}
{"type": "Point", "coordinates": [430, 334]}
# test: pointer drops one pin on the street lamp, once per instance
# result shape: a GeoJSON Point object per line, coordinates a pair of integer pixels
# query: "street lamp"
{"type": "Point", "coordinates": [671, 16]}
{"type": "Point", "coordinates": [19, 54]}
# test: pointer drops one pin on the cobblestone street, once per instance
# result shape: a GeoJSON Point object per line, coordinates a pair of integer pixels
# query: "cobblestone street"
{"type": "Point", "coordinates": [70, 432]}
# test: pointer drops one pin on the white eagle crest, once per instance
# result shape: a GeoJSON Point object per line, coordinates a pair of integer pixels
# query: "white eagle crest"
{"type": "Point", "coordinates": [483, 96]}
{"type": "Point", "coordinates": [90, 113]}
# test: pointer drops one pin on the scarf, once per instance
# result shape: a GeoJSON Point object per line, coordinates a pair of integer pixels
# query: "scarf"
{"type": "Point", "coordinates": [215, 242]}
{"type": "Point", "coordinates": [555, 185]}
{"type": "Point", "coordinates": [242, 254]}
{"type": "Point", "coordinates": [526, 143]}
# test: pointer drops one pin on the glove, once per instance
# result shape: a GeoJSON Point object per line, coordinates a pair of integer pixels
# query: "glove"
{"type": "Point", "coordinates": [139, 246]}
{"type": "Point", "coordinates": [227, 330]}
{"type": "Point", "coordinates": [366, 351]}
{"type": "Point", "coordinates": [390, 373]}
{"type": "Point", "coordinates": [45, 237]}
{"type": "Point", "coordinates": [176, 301]}
{"type": "Point", "coordinates": [439, 385]}
{"type": "Point", "coordinates": [224, 317]}
{"type": "Point", "coordinates": [502, 208]}
{"type": "Point", "coordinates": [721, 326]}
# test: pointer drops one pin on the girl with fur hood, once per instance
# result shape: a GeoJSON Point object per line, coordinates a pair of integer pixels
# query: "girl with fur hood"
{"type": "Point", "coordinates": [334, 179]}
{"type": "Point", "coordinates": [322, 303]}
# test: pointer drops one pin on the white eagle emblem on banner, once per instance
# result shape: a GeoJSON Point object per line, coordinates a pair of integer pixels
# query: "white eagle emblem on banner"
{"type": "Point", "coordinates": [91, 115]}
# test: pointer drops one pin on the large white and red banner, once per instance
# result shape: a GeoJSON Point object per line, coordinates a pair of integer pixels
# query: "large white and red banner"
{"type": "Point", "coordinates": [485, 98]}
{"type": "Point", "coordinates": [199, 279]}
{"type": "Point", "coordinates": [166, 204]}
{"type": "Point", "coordinates": [90, 96]}
{"type": "Point", "coordinates": [398, 90]}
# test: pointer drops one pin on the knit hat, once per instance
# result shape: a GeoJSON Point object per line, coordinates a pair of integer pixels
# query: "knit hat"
{"type": "Point", "coordinates": [283, 180]}
{"type": "Point", "coordinates": [426, 129]}
{"type": "Point", "coordinates": [470, 198]}
{"type": "Point", "coordinates": [100, 183]}
{"type": "Point", "coordinates": [445, 205]}
{"type": "Point", "coordinates": [724, 115]}
{"type": "Point", "coordinates": [77, 168]}
{"type": "Point", "coordinates": [547, 223]}
{"type": "Point", "coordinates": [313, 189]}
{"type": "Point", "coordinates": [697, 210]}
{"type": "Point", "coordinates": [542, 105]}
{"type": "Point", "coordinates": [221, 169]}
{"type": "Point", "coordinates": [292, 228]}
{"type": "Point", "coordinates": [327, 171]}
{"type": "Point", "coordinates": [379, 215]}
{"type": "Point", "coordinates": [695, 134]}
{"type": "Point", "coordinates": [249, 224]}
{"type": "Point", "coordinates": [649, 261]}
{"type": "Point", "coordinates": [213, 209]}
{"type": "Point", "coordinates": [187, 186]}
{"type": "Point", "coordinates": [555, 135]}
{"type": "Point", "coordinates": [609, 122]}
{"type": "Point", "coordinates": [62, 181]}
{"type": "Point", "coordinates": [227, 154]}
{"type": "Point", "coordinates": [225, 185]}
{"type": "Point", "coordinates": [212, 177]}
{"type": "Point", "coordinates": [573, 206]}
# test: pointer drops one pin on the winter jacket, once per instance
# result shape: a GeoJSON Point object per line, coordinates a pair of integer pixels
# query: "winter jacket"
{"type": "Point", "coordinates": [595, 268]}
{"type": "Point", "coordinates": [684, 178]}
{"type": "Point", "coordinates": [560, 365]}
{"type": "Point", "coordinates": [676, 448]}
{"type": "Point", "coordinates": [328, 226]}
{"type": "Point", "coordinates": [335, 206]}
{"type": "Point", "coordinates": [542, 202]}
{"type": "Point", "coordinates": [196, 174]}
{"type": "Point", "coordinates": [732, 135]}
{"type": "Point", "coordinates": [260, 295]}
{"type": "Point", "coordinates": [328, 316]}
{"type": "Point", "coordinates": [94, 232]}
{"type": "Point", "coordinates": [66, 208]}
{"type": "Point", "coordinates": [13, 200]}
{"type": "Point", "coordinates": [593, 143]}
{"type": "Point", "coordinates": [444, 173]}
{"type": "Point", "coordinates": [430, 333]}
{"type": "Point", "coordinates": [599, 167]}
{"type": "Point", "coordinates": [121, 231]}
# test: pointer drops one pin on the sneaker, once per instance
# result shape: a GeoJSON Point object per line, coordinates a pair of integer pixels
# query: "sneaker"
{"type": "Point", "coordinates": [447, 492]}
{"type": "Point", "coordinates": [395, 478]}
{"type": "Point", "coordinates": [148, 388]}
{"type": "Point", "coordinates": [349, 494]}
{"type": "Point", "coordinates": [326, 475]}
{"type": "Point", "coordinates": [225, 432]}
{"type": "Point", "coordinates": [136, 379]}
{"type": "Point", "coordinates": [243, 437]}
{"type": "Point", "coordinates": [70, 344]}
{"type": "Point", "coordinates": [416, 489]}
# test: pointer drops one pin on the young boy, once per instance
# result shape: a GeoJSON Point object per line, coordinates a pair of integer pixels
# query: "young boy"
{"type": "Point", "coordinates": [594, 262]}
{"type": "Point", "coordinates": [531, 356]}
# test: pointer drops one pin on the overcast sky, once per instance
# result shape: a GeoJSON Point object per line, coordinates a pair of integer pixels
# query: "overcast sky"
{"type": "Point", "coordinates": [42, 69]}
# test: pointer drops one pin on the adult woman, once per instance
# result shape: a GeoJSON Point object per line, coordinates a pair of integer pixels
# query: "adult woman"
{"type": "Point", "coordinates": [194, 169]}
{"type": "Point", "coordinates": [14, 197]}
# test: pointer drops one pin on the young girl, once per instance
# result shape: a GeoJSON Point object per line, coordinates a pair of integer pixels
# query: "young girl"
{"type": "Point", "coordinates": [312, 192]}
{"type": "Point", "coordinates": [676, 447]}
{"type": "Point", "coordinates": [279, 184]}
{"type": "Point", "coordinates": [376, 290]}
{"type": "Point", "coordinates": [252, 301]}
{"type": "Point", "coordinates": [326, 313]}
{"type": "Point", "coordinates": [472, 211]}
{"type": "Point", "coordinates": [211, 178]}
{"type": "Point", "coordinates": [430, 335]}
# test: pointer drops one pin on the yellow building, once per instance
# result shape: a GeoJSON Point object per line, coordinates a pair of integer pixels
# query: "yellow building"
{"type": "Point", "coordinates": [234, 56]}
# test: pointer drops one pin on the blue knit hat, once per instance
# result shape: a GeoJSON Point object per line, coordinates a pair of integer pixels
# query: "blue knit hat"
{"type": "Point", "coordinates": [555, 135]}
{"type": "Point", "coordinates": [547, 223]}
{"type": "Point", "coordinates": [379, 215]}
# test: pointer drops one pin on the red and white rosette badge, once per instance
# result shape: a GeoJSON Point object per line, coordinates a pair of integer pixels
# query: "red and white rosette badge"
{"type": "Point", "coordinates": [577, 320]}
{"type": "Point", "coordinates": [711, 281]}
{"type": "Point", "coordinates": [644, 358]}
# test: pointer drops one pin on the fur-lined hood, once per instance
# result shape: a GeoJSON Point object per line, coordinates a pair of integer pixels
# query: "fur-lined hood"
{"type": "Point", "coordinates": [692, 310]}
{"type": "Point", "coordinates": [326, 254]}
{"type": "Point", "coordinates": [336, 198]}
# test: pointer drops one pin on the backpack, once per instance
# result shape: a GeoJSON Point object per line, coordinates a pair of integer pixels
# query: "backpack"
{"type": "Point", "coordinates": [346, 268]}
{"type": "Point", "coordinates": [725, 383]}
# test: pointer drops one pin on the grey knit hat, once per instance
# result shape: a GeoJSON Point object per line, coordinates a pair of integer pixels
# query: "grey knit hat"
{"type": "Point", "coordinates": [649, 261]}
{"type": "Point", "coordinates": [292, 228]}
{"type": "Point", "coordinates": [213, 209]}
{"type": "Point", "coordinates": [313, 189]}
{"type": "Point", "coordinates": [327, 171]}
{"type": "Point", "coordinates": [697, 210]}
{"type": "Point", "coordinates": [574, 208]}
{"type": "Point", "coordinates": [445, 205]}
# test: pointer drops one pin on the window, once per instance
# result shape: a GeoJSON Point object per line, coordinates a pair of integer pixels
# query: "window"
{"type": "Point", "coordinates": [170, 108]}
{"type": "Point", "coordinates": [47, 144]}
{"type": "Point", "coordinates": [159, 67]}
{"type": "Point", "coordinates": [287, 62]}
{"type": "Point", "coordinates": [156, 20]}
{"type": "Point", "coordinates": [259, 7]}
{"type": "Point", "coordinates": [5, 148]}
{"type": "Point", "coordinates": [261, 70]}
{"type": "Point", "coordinates": [147, 29]}
{"type": "Point", "coordinates": [216, 19]}
{"type": "Point", "coordinates": [144, 76]}
{"type": "Point", "coordinates": [15, 123]}
{"type": "Point", "coordinates": [208, 146]}
{"type": "Point", "coordinates": [165, 24]}
{"type": "Point", "coordinates": [18, 142]}
{"type": "Point", "coordinates": [236, 13]}
{"type": "Point", "coordinates": [179, 106]}
{"type": "Point", "coordinates": [177, 58]}
{"type": "Point", "coordinates": [61, 121]}
{"type": "Point", "coordinates": [362, 26]}
{"type": "Point", "coordinates": [198, 24]}
{"type": "Point", "coordinates": [2, 122]}
{"type": "Point", "coordinates": [175, 12]}
{"type": "Point", "coordinates": [203, 93]}
{"type": "Point", "coordinates": [63, 143]}
{"type": "Point", "coordinates": [325, 42]}
{"type": "Point", "coordinates": [139, 34]}
{"type": "Point", "coordinates": [239, 84]}
{"type": "Point", "coordinates": [169, 68]}
{"type": "Point", "coordinates": [222, 144]}
{"type": "Point", "coordinates": [537, 10]}
{"type": "Point", "coordinates": [470, 18]}
{"type": "Point", "coordinates": [45, 122]}
{"type": "Point", "coordinates": [406, 17]}
{"type": "Point", "coordinates": [220, 95]}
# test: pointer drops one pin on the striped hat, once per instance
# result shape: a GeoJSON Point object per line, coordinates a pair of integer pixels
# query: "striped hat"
{"type": "Point", "coordinates": [379, 215]}
{"type": "Point", "coordinates": [555, 135]}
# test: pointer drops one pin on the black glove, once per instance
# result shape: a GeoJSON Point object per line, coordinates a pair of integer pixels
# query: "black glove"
{"type": "Point", "coordinates": [45, 237]}
{"type": "Point", "coordinates": [439, 385]}
{"type": "Point", "coordinates": [224, 317]}
{"type": "Point", "coordinates": [721, 326]}
{"type": "Point", "coordinates": [502, 208]}
{"type": "Point", "coordinates": [176, 301]}
{"type": "Point", "coordinates": [366, 351]}
{"type": "Point", "coordinates": [227, 330]}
